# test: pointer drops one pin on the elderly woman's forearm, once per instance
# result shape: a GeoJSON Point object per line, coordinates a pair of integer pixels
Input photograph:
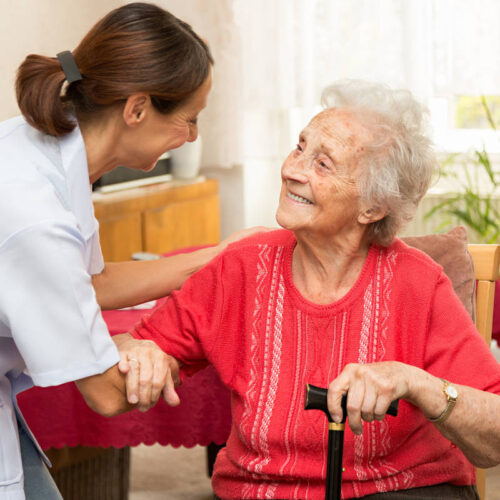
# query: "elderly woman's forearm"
{"type": "Point", "coordinates": [473, 425]}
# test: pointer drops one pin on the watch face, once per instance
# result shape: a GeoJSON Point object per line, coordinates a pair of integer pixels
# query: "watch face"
{"type": "Point", "coordinates": [452, 392]}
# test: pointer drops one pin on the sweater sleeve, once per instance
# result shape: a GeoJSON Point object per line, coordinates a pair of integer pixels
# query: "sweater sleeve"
{"type": "Point", "coordinates": [187, 325]}
{"type": "Point", "coordinates": [454, 348]}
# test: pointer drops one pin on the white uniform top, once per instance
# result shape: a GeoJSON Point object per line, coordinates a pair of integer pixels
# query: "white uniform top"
{"type": "Point", "coordinates": [51, 326]}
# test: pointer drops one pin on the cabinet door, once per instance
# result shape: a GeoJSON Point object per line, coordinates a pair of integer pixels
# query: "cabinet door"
{"type": "Point", "coordinates": [182, 224]}
{"type": "Point", "coordinates": [120, 237]}
{"type": "Point", "coordinates": [158, 218]}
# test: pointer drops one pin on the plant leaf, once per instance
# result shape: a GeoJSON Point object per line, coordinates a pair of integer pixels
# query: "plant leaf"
{"type": "Point", "coordinates": [484, 160]}
{"type": "Point", "coordinates": [488, 112]}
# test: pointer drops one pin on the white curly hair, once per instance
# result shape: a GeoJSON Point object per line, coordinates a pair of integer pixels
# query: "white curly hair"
{"type": "Point", "coordinates": [399, 163]}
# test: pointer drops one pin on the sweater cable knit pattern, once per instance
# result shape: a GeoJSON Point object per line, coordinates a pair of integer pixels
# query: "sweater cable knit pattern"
{"type": "Point", "coordinates": [258, 437]}
{"type": "Point", "coordinates": [250, 395]}
{"type": "Point", "coordinates": [243, 314]}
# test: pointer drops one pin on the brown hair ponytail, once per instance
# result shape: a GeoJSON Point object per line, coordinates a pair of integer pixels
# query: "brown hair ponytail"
{"type": "Point", "coordinates": [136, 48]}
{"type": "Point", "coordinates": [38, 90]}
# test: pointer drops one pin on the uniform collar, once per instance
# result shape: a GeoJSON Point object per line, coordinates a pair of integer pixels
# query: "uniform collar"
{"type": "Point", "coordinates": [74, 161]}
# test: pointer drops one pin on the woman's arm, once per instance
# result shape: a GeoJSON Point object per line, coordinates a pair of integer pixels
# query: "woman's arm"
{"type": "Point", "coordinates": [105, 393]}
{"type": "Point", "coordinates": [147, 372]}
{"type": "Point", "coordinates": [473, 425]}
{"type": "Point", "coordinates": [124, 284]}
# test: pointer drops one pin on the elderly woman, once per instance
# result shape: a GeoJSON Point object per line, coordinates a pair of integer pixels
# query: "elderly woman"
{"type": "Point", "coordinates": [335, 299]}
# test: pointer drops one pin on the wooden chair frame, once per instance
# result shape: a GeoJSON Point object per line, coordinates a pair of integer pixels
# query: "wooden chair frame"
{"type": "Point", "coordinates": [486, 267]}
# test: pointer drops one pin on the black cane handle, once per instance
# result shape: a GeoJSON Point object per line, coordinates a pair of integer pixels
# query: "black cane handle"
{"type": "Point", "coordinates": [316, 400]}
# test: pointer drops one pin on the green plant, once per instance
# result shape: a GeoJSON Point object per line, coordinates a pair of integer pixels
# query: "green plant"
{"type": "Point", "coordinates": [470, 111]}
{"type": "Point", "coordinates": [475, 199]}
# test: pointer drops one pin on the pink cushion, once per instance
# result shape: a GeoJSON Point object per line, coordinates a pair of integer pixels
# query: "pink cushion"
{"type": "Point", "coordinates": [450, 251]}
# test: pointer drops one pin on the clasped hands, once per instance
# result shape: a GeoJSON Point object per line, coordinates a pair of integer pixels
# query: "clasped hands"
{"type": "Point", "coordinates": [148, 371]}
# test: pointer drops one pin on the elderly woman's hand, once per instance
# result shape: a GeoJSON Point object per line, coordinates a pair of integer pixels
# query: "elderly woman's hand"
{"type": "Point", "coordinates": [149, 372]}
{"type": "Point", "coordinates": [371, 388]}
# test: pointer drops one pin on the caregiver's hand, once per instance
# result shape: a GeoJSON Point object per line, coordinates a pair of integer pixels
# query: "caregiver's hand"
{"type": "Point", "coordinates": [241, 234]}
{"type": "Point", "coordinates": [149, 372]}
{"type": "Point", "coordinates": [371, 389]}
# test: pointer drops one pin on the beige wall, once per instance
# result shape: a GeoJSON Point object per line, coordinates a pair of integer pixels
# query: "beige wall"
{"type": "Point", "coordinates": [41, 27]}
{"type": "Point", "coordinates": [51, 26]}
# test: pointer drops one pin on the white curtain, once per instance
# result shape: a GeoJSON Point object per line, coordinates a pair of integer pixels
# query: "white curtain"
{"type": "Point", "coordinates": [273, 58]}
{"type": "Point", "coordinates": [294, 48]}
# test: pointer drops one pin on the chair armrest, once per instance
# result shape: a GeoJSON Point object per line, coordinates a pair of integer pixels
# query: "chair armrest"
{"type": "Point", "coordinates": [486, 261]}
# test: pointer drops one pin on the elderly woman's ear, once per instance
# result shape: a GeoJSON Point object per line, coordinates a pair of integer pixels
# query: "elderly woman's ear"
{"type": "Point", "coordinates": [372, 214]}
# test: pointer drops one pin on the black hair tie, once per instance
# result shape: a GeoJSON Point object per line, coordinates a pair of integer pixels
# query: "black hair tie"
{"type": "Point", "coordinates": [68, 65]}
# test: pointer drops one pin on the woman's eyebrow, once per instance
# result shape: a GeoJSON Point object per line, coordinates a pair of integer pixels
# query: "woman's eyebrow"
{"type": "Point", "coordinates": [328, 151]}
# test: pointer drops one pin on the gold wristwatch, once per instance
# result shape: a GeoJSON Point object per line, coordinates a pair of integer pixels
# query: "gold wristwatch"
{"type": "Point", "coordinates": [451, 396]}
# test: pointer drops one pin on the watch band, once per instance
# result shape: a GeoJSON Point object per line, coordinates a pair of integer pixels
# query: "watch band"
{"type": "Point", "coordinates": [451, 397]}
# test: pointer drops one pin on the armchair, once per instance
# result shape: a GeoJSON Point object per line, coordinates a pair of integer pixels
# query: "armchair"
{"type": "Point", "coordinates": [486, 267]}
{"type": "Point", "coordinates": [470, 267]}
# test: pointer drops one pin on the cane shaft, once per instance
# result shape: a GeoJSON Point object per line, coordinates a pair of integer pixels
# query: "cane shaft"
{"type": "Point", "coordinates": [334, 465]}
{"type": "Point", "coordinates": [316, 399]}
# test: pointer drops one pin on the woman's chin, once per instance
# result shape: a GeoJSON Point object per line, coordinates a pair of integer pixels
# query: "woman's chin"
{"type": "Point", "coordinates": [149, 167]}
{"type": "Point", "coordinates": [284, 220]}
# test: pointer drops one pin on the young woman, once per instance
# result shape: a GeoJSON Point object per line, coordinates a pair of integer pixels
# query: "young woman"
{"type": "Point", "coordinates": [131, 90]}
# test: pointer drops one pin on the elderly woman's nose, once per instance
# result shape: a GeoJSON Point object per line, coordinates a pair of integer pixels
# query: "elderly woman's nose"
{"type": "Point", "coordinates": [296, 168]}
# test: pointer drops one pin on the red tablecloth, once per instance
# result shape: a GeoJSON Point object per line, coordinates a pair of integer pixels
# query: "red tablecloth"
{"type": "Point", "coordinates": [58, 416]}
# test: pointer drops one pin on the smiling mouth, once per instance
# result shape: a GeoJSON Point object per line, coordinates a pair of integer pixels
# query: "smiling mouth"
{"type": "Point", "coordinates": [299, 199]}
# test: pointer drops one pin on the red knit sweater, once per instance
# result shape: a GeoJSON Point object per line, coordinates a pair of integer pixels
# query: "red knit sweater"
{"type": "Point", "coordinates": [243, 314]}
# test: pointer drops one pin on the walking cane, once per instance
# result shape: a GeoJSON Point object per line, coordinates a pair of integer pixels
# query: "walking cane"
{"type": "Point", "coordinates": [316, 400]}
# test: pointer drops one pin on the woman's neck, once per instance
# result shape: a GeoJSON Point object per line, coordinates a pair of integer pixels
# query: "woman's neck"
{"type": "Point", "coordinates": [325, 270]}
{"type": "Point", "coordinates": [101, 145]}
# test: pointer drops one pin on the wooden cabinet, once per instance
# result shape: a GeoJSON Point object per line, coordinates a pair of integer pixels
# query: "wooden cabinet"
{"type": "Point", "coordinates": [158, 218]}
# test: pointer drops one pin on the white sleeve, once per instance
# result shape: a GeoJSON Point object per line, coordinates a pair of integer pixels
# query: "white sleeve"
{"type": "Point", "coordinates": [96, 264]}
{"type": "Point", "coordinates": [49, 304]}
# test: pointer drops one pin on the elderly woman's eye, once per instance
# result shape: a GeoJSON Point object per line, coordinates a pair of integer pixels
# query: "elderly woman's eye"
{"type": "Point", "coordinates": [193, 121]}
{"type": "Point", "coordinates": [299, 148]}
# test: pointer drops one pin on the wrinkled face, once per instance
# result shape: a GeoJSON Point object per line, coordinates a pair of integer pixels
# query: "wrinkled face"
{"type": "Point", "coordinates": [164, 132]}
{"type": "Point", "coordinates": [318, 191]}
